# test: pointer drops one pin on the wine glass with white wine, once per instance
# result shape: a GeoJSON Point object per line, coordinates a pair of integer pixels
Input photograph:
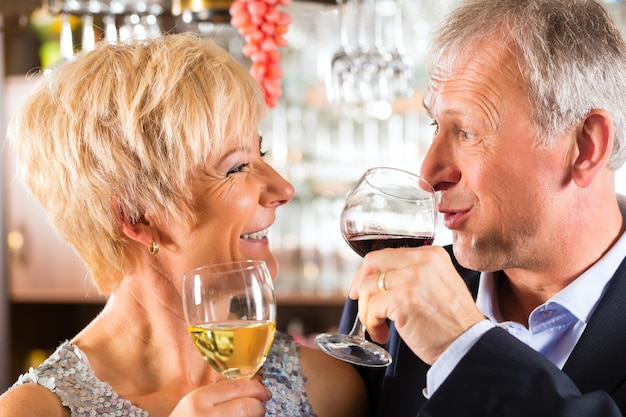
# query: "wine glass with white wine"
{"type": "Point", "coordinates": [388, 208]}
{"type": "Point", "coordinates": [230, 310]}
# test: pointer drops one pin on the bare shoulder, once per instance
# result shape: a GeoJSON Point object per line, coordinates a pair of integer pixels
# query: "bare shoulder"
{"type": "Point", "coordinates": [31, 400]}
{"type": "Point", "coordinates": [333, 387]}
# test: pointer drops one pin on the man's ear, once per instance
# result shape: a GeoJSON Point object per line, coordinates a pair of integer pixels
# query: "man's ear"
{"type": "Point", "coordinates": [594, 144]}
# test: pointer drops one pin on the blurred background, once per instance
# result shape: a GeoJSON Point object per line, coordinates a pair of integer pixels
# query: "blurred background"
{"type": "Point", "coordinates": [352, 82]}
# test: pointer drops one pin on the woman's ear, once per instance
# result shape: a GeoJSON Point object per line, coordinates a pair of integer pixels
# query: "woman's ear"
{"type": "Point", "coordinates": [141, 232]}
{"type": "Point", "coordinates": [138, 229]}
{"type": "Point", "coordinates": [594, 144]}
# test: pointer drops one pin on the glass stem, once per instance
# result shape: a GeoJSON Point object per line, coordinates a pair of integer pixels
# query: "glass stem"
{"type": "Point", "coordinates": [358, 330]}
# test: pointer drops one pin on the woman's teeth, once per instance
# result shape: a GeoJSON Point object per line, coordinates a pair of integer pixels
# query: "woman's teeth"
{"type": "Point", "coordinates": [256, 235]}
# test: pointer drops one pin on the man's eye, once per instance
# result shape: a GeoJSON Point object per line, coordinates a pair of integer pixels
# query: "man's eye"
{"type": "Point", "coordinates": [238, 168]}
{"type": "Point", "coordinates": [468, 135]}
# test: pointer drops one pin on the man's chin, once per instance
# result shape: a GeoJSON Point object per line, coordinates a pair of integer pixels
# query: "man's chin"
{"type": "Point", "coordinates": [471, 254]}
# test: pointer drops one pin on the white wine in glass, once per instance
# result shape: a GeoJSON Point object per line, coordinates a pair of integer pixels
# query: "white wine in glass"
{"type": "Point", "coordinates": [230, 310]}
{"type": "Point", "coordinates": [388, 208]}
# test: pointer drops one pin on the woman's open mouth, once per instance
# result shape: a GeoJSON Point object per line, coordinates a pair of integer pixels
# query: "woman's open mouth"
{"type": "Point", "coordinates": [260, 235]}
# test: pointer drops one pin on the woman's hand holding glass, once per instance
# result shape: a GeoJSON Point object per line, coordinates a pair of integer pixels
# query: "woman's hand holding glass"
{"type": "Point", "coordinates": [232, 398]}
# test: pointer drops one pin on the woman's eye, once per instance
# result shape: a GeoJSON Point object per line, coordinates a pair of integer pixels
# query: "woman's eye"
{"type": "Point", "coordinates": [238, 168]}
{"type": "Point", "coordinates": [435, 125]}
{"type": "Point", "coordinates": [263, 153]}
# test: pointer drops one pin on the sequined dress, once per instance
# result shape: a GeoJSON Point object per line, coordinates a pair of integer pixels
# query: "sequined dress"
{"type": "Point", "coordinates": [68, 375]}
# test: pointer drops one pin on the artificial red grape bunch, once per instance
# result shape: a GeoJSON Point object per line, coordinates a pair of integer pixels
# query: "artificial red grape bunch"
{"type": "Point", "coordinates": [262, 25]}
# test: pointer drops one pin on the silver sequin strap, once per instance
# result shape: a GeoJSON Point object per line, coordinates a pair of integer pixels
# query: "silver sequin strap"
{"type": "Point", "coordinates": [67, 374]}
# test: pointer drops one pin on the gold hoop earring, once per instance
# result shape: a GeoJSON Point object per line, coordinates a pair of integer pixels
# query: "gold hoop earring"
{"type": "Point", "coordinates": [154, 249]}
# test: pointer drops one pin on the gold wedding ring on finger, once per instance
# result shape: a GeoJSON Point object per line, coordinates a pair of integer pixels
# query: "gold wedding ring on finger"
{"type": "Point", "coordinates": [381, 282]}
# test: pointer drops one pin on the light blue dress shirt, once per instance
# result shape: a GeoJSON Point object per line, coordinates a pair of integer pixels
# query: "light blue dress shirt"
{"type": "Point", "coordinates": [553, 327]}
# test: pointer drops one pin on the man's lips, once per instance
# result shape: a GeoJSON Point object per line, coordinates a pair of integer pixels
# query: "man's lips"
{"type": "Point", "coordinates": [453, 218]}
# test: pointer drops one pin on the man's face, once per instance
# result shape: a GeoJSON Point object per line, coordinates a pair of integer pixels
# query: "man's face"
{"type": "Point", "coordinates": [498, 189]}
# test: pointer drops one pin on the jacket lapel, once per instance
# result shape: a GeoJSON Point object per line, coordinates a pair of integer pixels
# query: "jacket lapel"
{"type": "Point", "coordinates": [599, 359]}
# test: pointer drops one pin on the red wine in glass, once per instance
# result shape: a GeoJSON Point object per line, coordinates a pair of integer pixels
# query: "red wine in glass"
{"type": "Point", "coordinates": [365, 243]}
{"type": "Point", "coordinates": [388, 208]}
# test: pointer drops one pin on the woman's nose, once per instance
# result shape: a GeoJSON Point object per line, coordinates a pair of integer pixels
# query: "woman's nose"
{"type": "Point", "coordinates": [279, 191]}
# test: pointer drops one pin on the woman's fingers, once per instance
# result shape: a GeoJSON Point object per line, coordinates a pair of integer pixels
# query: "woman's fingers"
{"type": "Point", "coordinates": [229, 398]}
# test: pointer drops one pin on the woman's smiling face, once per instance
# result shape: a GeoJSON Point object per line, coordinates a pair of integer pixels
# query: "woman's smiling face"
{"type": "Point", "coordinates": [235, 201]}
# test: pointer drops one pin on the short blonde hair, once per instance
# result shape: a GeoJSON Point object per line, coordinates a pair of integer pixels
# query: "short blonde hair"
{"type": "Point", "coordinates": [117, 132]}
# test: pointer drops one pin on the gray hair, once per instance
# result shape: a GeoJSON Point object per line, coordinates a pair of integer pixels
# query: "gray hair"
{"type": "Point", "coordinates": [571, 55]}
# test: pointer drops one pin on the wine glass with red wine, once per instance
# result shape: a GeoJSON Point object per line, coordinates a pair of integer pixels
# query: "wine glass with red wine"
{"type": "Point", "coordinates": [388, 208]}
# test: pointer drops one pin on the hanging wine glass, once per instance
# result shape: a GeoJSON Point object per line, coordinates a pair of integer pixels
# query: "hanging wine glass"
{"type": "Point", "coordinates": [66, 41]}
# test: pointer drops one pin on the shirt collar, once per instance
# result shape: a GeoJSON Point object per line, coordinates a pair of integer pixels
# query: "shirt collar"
{"type": "Point", "coordinates": [580, 297]}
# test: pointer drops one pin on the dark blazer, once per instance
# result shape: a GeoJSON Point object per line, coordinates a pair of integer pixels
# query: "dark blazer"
{"type": "Point", "coordinates": [500, 376]}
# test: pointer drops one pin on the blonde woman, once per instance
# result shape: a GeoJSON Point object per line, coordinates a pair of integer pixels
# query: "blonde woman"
{"type": "Point", "coordinates": [147, 158]}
